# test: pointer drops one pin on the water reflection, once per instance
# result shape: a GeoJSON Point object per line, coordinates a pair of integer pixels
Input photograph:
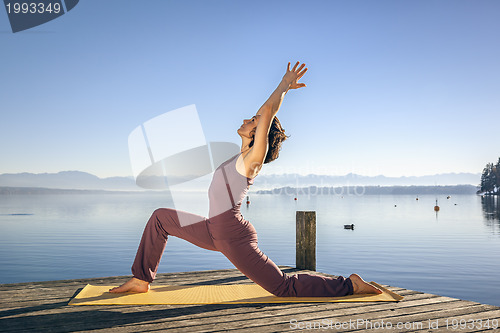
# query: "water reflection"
{"type": "Point", "coordinates": [490, 205]}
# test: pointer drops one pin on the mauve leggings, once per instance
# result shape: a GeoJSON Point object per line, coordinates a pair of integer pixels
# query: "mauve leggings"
{"type": "Point", "coordinates": [236, 238]}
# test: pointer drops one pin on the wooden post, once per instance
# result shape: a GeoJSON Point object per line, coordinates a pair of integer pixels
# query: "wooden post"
{"type": "Point", "coordinates": [305, 246]}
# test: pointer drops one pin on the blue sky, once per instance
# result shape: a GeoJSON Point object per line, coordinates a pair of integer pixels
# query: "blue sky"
{"type": "Point", "coordinates": [394, 87]}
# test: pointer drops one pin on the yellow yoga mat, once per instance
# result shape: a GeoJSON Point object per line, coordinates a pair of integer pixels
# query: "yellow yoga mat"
{"type": "Point", "coordinates": [212, 294]}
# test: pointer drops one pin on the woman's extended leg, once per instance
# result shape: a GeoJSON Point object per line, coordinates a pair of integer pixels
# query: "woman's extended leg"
{"type": "Point", "coordinates": [253, 263]}
{"type": "Point", "coordinates": [163, 223]}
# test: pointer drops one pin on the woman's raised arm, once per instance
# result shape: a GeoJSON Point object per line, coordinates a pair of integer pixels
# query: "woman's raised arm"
{"type": "Point", "coordinates": [256, 156]}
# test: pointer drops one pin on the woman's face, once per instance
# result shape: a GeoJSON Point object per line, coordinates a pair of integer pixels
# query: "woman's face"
{"type": "Point", "coordinates": [247, 129]}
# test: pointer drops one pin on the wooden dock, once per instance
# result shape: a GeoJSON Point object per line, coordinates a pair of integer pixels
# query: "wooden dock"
{"type": "Point", "coordinates": [43, 307]}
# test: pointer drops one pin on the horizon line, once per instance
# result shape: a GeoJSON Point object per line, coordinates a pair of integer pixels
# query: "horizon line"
{"type": "Point", "coordinates": [262, 174]}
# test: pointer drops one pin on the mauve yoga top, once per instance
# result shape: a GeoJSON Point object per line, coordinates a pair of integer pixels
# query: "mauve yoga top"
{"type": "Point", "coordinates": [228, 189]}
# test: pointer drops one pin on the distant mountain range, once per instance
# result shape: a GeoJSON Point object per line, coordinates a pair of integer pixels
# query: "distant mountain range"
{"type": "Point", "coordinates": [86, 181]}
{"type": "Point", "coordinates": [294, 180]}
{"type": "Point", "coordinates": [68, 180]}
{"type": "Point", "coordinates": [372, 190]}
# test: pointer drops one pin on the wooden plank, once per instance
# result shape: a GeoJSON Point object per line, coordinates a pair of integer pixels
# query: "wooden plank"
{"type": "Point", "coordinates": [422, 321]}
{"type": "Point", "coordinates": [278, 318]}
{"type": "Point", "coordinates": [339, 315]}
{"type": "Point", "coordinates": [474, 322]}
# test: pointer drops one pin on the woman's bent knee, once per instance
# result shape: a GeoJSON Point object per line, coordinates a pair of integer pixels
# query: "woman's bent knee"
{"type": "Point", "coordinates": [163, 211]}
{"type": "Point", "coordinates": [163, 220]}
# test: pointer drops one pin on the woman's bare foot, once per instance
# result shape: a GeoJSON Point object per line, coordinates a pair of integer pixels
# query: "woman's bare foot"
{"type": "Point", "coordinates": [360, 286]}
{"type": "Point", "coordinates": [133, 285]}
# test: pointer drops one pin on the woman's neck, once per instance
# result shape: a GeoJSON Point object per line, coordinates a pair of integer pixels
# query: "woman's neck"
{"type": "Point", "coordinates": [245, 144]}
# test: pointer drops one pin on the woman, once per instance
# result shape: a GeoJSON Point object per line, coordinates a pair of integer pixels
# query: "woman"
{"type": "Point", "coordinates": [225, 230]}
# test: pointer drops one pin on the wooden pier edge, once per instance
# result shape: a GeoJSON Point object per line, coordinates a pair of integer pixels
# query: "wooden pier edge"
{"type": "Point", "coordinates": [43, 307]}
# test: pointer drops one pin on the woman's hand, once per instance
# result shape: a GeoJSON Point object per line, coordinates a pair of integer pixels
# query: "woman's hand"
{"type": "Point", "coordinates": [292, 76]}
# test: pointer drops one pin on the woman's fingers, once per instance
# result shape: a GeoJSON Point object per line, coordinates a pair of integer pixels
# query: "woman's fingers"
{"type": "Point", "coordinates": [295, 69]}
{"type": "Point", "coordinates": [297, 85]}
{"type": "Point", "coordinates": [301, 73]}
{"type": "Point", "coordinates": [295, 74]}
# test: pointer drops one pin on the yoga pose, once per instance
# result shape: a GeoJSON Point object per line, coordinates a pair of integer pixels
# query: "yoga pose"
{"type": "Point", "coordinates": [225, 229]}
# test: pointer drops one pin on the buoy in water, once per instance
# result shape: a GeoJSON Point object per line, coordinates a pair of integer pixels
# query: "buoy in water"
{"type": "Point", "coordinates": [295, 199]}
{"type": "Point", "coordinates": [436, 208]}
{"type": "Point", "coordinates": [248, 200]}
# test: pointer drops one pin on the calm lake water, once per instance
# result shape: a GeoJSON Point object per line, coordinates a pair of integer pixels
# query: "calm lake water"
{"type": "Point", "coordinates": [397, 240]}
